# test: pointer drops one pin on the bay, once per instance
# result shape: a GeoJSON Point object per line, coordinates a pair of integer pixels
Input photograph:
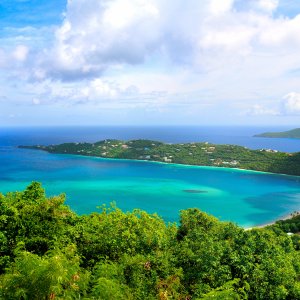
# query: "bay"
{"type": "Point", "coordinates": [247, 198]}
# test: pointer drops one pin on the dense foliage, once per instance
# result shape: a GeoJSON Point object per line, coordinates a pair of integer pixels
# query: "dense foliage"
{"type": "Point", "coordinates": [49, 252]}
{"type": "Point", "coordinates": [203, 154]}
{"type": "Point", "coordinates": [291, 226]}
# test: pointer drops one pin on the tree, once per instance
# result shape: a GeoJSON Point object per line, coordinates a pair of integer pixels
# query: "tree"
{"type": "Point", "coordinates": [56, 275]}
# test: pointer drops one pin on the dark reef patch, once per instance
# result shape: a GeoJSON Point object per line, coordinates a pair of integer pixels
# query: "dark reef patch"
{"type": "Point", "coordinates": [195, 191]}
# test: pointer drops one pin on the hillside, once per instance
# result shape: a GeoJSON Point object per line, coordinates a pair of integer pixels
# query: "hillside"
{"type": "Point", "coordinates": [49, 252]}
{"type": "Point", "coordinates": [202, 154]}
{"type": "Point", "coordinates": [291, 134]}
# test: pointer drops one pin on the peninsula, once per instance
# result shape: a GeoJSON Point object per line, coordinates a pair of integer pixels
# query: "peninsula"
{"type": "Point", "coordinates": [290, 134]}
{"type": "Point", "coordinates": [201, 154]}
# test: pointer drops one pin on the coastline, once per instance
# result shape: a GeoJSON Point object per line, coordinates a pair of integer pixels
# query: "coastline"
{"type": "Point", "coordinates": [173, 164]}
{"type": "Point", "coordinates": [286, 215]}
{"type": "Point", "coordinates": [283, 218]}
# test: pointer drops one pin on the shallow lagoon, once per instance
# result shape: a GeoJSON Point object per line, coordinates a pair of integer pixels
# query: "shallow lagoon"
{"type": "Point", "coordinates": [245, 197]}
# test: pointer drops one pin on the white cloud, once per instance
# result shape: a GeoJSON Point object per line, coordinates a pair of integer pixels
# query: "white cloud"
{"type": "Point", "coordinates": [217, 7]}
{"type": "Point", "coordinates": [288, 106]}
{"type": "Point", "coordinates": [14, 59]}
{"type": "Point", "coordinates": [102, 35]}
{"type": "Point", "coordinates": [267, 5]}
{"type": "Point", "coordinates": [124, 13]}
{"type": "Point", "coordinates": [228, 38]}
{"type": "Point", "coordinates": [95, 91]}
{"type": "Point", "coordinates": [20, 53]}
{"type": "Point", "coordinates": [282, 33]}
{"type": "Point", "coordinates": [98, 88]}
{"type": "Point", "coordinates": [291, 103]}
{"type": "Point", "coordinates": [260, 110]}
{"type": "Point", "coordinates": [159, 53]}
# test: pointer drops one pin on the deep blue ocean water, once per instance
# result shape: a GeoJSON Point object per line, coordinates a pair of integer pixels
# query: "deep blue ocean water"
{"type": "Point", "coordinates": [173, 134]}
{"type": "Point", "coordinates": [247, 198]}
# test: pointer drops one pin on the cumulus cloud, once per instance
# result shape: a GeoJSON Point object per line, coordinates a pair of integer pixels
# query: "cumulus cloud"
{"type": "Point", "coordinates": [107, 35]}
{"type": "Point", "coordinates": [282, 33]}
{"type": "Point", "coordinates": [217, 7]}
{"type": "Point", "coordinates": [155, 53]}
{"type": "Point", "coordinates": [103, 35]}
{"type": "Point", "coordinates": [291, 103]}
{"type": "Point", "coordinates": [100, 34]}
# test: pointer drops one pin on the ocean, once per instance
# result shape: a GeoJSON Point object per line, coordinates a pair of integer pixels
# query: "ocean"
{"type": "Point", "coordinates": [243, 136]}
{"type": "Point", "coordinates": [244, 197]}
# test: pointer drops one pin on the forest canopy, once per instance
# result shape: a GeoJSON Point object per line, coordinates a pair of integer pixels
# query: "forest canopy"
{"type": "Point", "coordinates": [49, 252]}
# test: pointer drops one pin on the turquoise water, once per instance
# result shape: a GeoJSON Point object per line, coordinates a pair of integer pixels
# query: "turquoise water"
{"type": "Point", "coordinates": [247, 198]}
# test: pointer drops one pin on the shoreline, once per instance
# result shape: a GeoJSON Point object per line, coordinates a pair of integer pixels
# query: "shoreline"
{"type": "Point", "coordinates": [283, 218]}
{"type": "Point", "coordinates": [178, 165]}
{"type": "Point", "coordinates": [172, 164]}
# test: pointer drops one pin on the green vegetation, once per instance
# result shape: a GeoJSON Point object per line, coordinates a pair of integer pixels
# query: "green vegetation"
{"type": "Point", "coordinates": [49, 252]}
{"type": "Point", "coordinates": [290, 226]}
{"type": "Point", "coordinates": [202, 154]}
{"type": "Point", "coordinates": [291, 134]}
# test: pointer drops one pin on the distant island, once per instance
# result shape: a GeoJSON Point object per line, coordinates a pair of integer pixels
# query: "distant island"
{"type": "Point", "coordinates": [290, 134]}
{"type": "Point", "coordinates": [201, 154]}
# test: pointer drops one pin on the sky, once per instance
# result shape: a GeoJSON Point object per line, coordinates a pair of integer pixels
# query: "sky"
{"type": "Point", "coordinates": [149, 62]}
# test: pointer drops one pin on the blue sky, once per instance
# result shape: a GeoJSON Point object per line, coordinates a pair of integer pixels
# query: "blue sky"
{"type": "Point", "coordinates": [20, 13]}
{"type": "Point", "coordinates": [149, 62]}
